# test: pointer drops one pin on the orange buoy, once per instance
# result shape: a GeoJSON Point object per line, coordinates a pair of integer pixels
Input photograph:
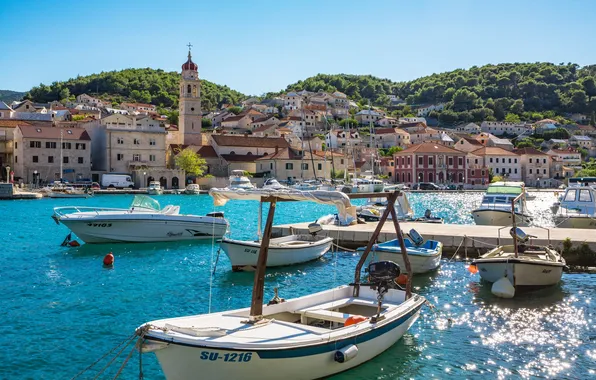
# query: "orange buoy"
{"type": "Point", "coordinates": [402, 279]}
{"type": "Point", "coordinates": [74, 243]}
{"type": "Point", "coordinates": [354, 319]}
{"type": "Point", "coordinates": [108, 260]}
{"type": "Point", "coordinates": [472, 268]}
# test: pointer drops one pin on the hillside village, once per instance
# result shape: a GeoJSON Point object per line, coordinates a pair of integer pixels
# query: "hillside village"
{"type": "Point", "coordinates": [298, 135]}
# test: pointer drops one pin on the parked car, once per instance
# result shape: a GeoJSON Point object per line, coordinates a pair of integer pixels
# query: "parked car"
{"type": "Point", "coordinates": [425, 186]}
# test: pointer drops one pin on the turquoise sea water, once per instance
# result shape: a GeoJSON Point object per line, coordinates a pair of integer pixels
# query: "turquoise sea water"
{"type": "Point", "coordinates": [60, 309]}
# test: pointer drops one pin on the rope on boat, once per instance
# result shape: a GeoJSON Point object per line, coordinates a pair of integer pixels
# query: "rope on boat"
{"type": "Point", "coordinates": [457, 250]}
{"type": "Point", "coordinates": [125, 342]}
{"type": "Point", "coordinates": [436, 312]}
{"type": "Point", "coordinates": [216, 261]}
{"type": "Point", "coordinates": [343, 248]}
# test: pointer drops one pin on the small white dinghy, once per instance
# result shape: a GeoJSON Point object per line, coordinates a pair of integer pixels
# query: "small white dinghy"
{"type": "Point", "coordinates": [309, 337]}
{"type": "Point", "coordinates": [287, 250]}
{"type": "Point", "coordinates": [424, 255]}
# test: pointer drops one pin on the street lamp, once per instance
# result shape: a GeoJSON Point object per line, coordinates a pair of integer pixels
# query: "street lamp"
{"type": "Point", "coordinates": [144, 174]}
{"type": "Point", "coordinates": [35, 178]}
{"type": "Point", "coordinates": [8, 174]}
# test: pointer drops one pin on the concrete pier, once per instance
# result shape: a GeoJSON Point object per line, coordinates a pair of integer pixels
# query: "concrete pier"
{"type": "Point", "coordinates": [472, 240]}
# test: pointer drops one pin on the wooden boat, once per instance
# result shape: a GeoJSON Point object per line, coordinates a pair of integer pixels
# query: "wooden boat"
{"type": "Point", "coordinates": [287, 250]}
{"type": "Point", "coordinates": [494, 209]}
{"type": "Point", "coordinates": [154, 188]}
{"type": "Point", "coordinates": [424, 255]}
{"type": "Point", "coordinates": [309, 337]}
{"type": "Point", "coordinates": [510, 267]}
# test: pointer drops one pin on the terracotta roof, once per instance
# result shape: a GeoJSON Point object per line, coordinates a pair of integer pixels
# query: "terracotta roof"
{"type": "Point", "coordinates": [258, 142]}
{"type": "Point", "coordinates": [233, 118]}
{"type": "Point", "coordinates": [32, 131]}
{"type": "Point", "coordinates": [264, 128]}
{"type": "Point", "coordinates": [472, 141]}
{"type": "Point", "coordinates": [12, 123]}
{"type": "Point", "coordinates": [138, 105]}
{"type": "Point", "coordinates": [528, 150]}
{"type": "Point", "coordinates": [384, 131]}
{"type": "Point", "coordinates": [410, 125]}
{"type": "Point", "coordinates": [241, 157]}
{"type": "Point", "coordinates": [564, 151]}
{"type": "Point", "coordinates": [493, 151]}
{"type": "Point", "coordinates": [207, 151]}
{"type": "Point", "coordinates": [585, 127]}
{"type": "Point", "coordinates": [429, 147]}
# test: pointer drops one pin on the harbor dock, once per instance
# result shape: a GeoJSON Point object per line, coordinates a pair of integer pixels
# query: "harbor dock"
{"type": "Point", "coordinates": [8, 192]}
{"type": "Point", "coordinates": [468, 240]}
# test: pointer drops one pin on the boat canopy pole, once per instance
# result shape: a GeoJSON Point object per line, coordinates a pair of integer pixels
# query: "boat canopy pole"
{"type": "Point", "coordinates": [513, 217]}
{"type": "Point", "coordinates": [391, 198]}
{"type": "Point", "coordinates": [256, 306]}
{"type": "Point", "coordinates": [404, 252]}
{"type": "Point", "coordinates": [260, 223]}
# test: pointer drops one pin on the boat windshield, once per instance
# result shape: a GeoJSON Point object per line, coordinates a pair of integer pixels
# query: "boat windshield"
{"type": "Point", "coordinates": [141, 201]}
{"type": "Point", "coordinates": [504, 189]}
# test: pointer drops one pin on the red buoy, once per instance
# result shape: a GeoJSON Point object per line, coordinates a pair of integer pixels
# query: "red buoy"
{"type": "Point", "coordinates": [74, 243]}
{"type": "Point", "coordinates": [108, 260]}
{"type": "Point", "coordinates": [402, 279]}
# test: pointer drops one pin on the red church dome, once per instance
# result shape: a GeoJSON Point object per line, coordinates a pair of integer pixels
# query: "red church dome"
{"type": "Point", "coordinates": [189, 64]}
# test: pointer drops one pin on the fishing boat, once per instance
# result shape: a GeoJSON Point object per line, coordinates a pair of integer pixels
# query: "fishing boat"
{"type": "Point", "coordinates": [308, 337]}
{"type": "Point", "coordinates": [373, 209]}
{"type": "Point", "coordinates": [520, 265]}
{"type": "Point", "coordinates": [239, 181]}
{"type": "Point", "coordinates": [192, 189]}
{"type": "Point", "coordinates": [287, 250]}
{"type": "Point", "coordinates": [61, 190]}
{"type": "Point", "coordinates": [154, 188]}
{"type": "Point", "coordinates": [494, 209]}
{"type": "Point", "coordinates": [273, 184]}
{"type": "Point", "coordinates": [143, 221]}
{"type": "Point", "coordinates": [424, 255]}
{"type": "Point", "coordinates": [576, 208]}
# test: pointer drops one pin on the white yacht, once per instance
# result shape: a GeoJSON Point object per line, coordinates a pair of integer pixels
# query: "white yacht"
{"type": "Point", "coordinates": [154, 188]}
{"type": "Point", "coordinates": [308, 185]}
{"type": "Point", "coordinates": [495, 208]}
{"type": "Point", "coordinates": [192, 189]}
{"type": "Point", "coordinates": [143, 221]}
{"type": "Point", "coordinates": [239, 181]}
{"type": "Point", "coordinates": [577, 208]}
{"type": "Point", "coordinates": [61, 190]}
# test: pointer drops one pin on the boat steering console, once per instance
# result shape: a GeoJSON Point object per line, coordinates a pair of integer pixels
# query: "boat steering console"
{"type": "Point", "coordinates": [381, 277]}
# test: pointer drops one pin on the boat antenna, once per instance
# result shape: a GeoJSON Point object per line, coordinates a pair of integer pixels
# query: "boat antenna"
{"type": "Point", "coordinates": [61, 147]}
{"type": "Point", "coordinates": [331, 152]}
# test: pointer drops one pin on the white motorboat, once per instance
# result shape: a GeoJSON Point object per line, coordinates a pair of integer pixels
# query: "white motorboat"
{"type": "Point", "coordinates": [239, 181]}
{"type": "Point", "coordinates": [287, 250]}
{"type": "Point", "coordinates": [308, 185]}
{"type": "Point", "coordinates": [495, 208]}
{"type": "Point", "coordinates": [519, 265]}
{"type": "Point", "coordinates": [154, 188]}
{"type": "Point", "coordinates": [273, 184]}
{"type": "Point", "coordinates": [61, 190]}
{"type": "Point", "coordinates": [192, 189]}
{"type": "Point", "coordinates": [424, 255]}
{"type": "Point", "coordinates": [577, 208]}
{"type": "Point", "coordinates": [309, 337]}
{"type": "Point", "coordinates": [144, 221]}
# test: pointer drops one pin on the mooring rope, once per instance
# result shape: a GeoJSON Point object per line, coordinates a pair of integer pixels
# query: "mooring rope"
{"type": "Point", "coordinates": [125, 342]}
{"type": "Point", "coordinates": [342, 248]}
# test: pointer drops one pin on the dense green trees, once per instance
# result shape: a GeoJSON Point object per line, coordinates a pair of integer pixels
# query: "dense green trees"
{"type": "Point", "coordinates": [140, 85]}
{"type": "Point", "coordinates": [492, 92]}
{"type": "Point", "coordinates": [8, 96]}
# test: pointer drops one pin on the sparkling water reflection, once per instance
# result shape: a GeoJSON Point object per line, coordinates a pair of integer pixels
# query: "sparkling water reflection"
{"type": "Point", "coordinates": [62, 310]}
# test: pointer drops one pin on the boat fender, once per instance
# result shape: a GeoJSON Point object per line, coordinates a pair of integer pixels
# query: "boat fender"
{"type": "Point", "coordinates": [472, 268]}
{"type": "Point", "coordinates": [354, 319]}
{"type": "Point", "coordinates": [402, 279]}
{"type": "Point", "coordinates": [108, 260]}
{"type": "Point", "coordinates": [346, 354]}
{"type": "Point", "coordinates": [503, 288]}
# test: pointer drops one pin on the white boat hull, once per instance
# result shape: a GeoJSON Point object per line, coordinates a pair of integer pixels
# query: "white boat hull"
{"type": "Point", "coordinates": [420, 264]}
{"type": "Point", "coordinates": [282, 347]}
{"type": "Point", "coordinates": [155, 192]}
{"type": "Point", "coordinates": [523, 272]}
{"type": "Point", "coordinates": [569, 221]}
{"type": "Point", "coordinates": [288, 250]}
{"type": "Point", "coordinates": [149, 229]}
{"type": "Point", "coordinates": [499, 218]}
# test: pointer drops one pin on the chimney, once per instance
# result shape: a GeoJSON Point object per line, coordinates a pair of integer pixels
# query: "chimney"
{"type": "Point", "coordinates": [276, 149]}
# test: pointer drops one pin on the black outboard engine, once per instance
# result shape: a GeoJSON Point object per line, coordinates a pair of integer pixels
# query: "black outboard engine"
{"type": "Point", "coordinates": [382, 275]}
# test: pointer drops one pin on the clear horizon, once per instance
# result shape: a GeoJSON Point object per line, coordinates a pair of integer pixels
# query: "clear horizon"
{"type": "Point", "coordinates": [259, 47]}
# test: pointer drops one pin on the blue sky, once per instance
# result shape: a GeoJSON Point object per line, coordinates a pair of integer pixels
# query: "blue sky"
{"type": "Point", "coordinates": [260, 46]}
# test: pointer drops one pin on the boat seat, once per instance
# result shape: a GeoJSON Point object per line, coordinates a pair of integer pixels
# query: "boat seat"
{"type": "Point", "coordinates": [325, 315]}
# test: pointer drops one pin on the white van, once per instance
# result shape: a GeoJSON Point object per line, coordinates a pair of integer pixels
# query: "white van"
{"type": "Point", "coordinates": [119, 181]}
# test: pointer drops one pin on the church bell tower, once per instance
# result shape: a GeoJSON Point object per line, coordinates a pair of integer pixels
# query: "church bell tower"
{"type": "Point", "coordinates": [190, 116]}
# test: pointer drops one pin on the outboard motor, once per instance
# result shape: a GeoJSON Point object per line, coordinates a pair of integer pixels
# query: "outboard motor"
{"type": "Point", "coordinates": [216, 214]}
{"type": "Point", "coordinates": [382, 275]}
{"type": "Point", "coordinates": [313, 228]}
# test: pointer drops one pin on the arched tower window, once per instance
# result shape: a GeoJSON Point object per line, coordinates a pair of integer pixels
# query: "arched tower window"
{"type": "Point", "coordinates": [188, 89]}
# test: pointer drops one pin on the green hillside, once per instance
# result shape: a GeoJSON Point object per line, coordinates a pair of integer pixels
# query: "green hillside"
{"type": "Point", "coordinates": [515, 91]}
{"type": "Point", "coordinates": [8, 96]}
{"type": "Point", "coordinates": [139, 85]}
